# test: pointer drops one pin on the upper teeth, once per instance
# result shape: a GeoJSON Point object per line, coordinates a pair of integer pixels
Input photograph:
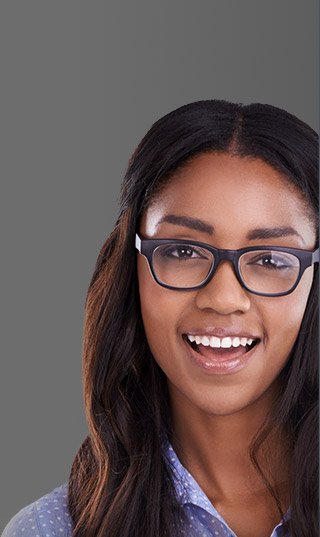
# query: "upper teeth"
{"type": "Point", "coordinates": [217, 342]}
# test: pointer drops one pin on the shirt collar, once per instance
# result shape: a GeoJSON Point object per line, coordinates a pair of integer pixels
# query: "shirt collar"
{"type": "Point", "coordinates": [188, 490]}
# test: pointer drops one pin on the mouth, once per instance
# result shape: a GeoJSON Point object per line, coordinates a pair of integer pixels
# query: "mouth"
{"type": "Point", "coordinates": [220, 355]}
{"type": "Point", "coordinates": [219, 345]}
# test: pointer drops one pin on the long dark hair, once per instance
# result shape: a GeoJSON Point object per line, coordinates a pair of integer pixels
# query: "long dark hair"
{"type": "Point", "coordinates": [120, 484]}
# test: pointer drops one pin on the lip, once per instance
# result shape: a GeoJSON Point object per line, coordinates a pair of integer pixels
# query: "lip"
{"type": "Point", "coordinates": [219, 367]}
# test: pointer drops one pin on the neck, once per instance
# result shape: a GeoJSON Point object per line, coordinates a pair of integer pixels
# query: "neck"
{"type": "Point", "coordinates": [215, 449]}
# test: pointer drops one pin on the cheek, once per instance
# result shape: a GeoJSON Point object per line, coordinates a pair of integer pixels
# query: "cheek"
{"type": "Point", "coordinates": [283, 315]}
{"type": "Point", "coordinates": [161, 310]}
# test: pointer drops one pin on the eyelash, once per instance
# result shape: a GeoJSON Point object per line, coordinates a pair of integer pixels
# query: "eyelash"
{"type": "Point", "coordinates": [168, 252]}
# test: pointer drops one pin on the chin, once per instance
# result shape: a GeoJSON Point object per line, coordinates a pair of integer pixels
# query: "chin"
{"type": "Point", "coordinates": [224, 408]}
{"type": "Point", "coordinates": [218, 401]}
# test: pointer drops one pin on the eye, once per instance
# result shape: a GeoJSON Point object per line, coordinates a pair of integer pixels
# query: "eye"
{"type": "Point", "coordinates": [272, 260]}
{"type": "Point", "coordinates": [183, 251]}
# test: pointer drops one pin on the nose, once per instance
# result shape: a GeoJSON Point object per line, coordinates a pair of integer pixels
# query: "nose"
{"type": "Point", "coordinates": [223, 293]}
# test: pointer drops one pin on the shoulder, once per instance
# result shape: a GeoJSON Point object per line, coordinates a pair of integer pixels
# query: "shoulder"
{"type": "Point", "coordinates": [46, 517]}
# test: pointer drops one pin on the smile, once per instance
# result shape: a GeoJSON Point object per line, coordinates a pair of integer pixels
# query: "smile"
{"type": "Point", "coordinates": [224, 343]}
{"type": "Point", "coordinates": [217, 355]}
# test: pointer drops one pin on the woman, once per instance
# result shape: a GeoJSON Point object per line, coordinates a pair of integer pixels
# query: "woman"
{"type": "Point", "coordinates": [200, 339]}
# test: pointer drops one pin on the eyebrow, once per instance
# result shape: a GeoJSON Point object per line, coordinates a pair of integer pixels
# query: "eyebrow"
{"type": "Point", "coordinates": [273, 233]}
{"type": "Point", "coordinates": [188, 221]}
{"type": "Point", "coordinates": [254, 234]}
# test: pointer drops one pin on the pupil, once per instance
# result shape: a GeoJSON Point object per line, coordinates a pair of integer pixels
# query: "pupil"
{"type": "Point", "coordinates": [267, 261]}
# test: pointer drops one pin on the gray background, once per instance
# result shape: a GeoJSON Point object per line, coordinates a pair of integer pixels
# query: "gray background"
{"type": "Point", "coordinates": [81, 83]}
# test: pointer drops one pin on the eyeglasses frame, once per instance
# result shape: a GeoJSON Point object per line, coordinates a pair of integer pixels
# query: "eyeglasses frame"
{"type": "Point", "coordinates": [146, 248]}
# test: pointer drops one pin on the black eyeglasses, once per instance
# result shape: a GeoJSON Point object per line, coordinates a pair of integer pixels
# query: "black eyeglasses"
{"type": "Point", "coordinates": [263, 270]}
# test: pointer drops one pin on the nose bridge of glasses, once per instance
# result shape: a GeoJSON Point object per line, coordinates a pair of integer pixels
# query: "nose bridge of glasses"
{"type": "Point", "coordinates": [226, 255]}
{"type": "Point", "coordinates": [225, 258]}
{"type": "Point", "coordinates": [224, 289]}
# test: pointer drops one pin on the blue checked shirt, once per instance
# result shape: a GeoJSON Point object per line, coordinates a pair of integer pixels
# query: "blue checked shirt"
{"type": "Point", "coordinates": [203, 519]}
{"type": "Point", "coordinates": [49, 516]}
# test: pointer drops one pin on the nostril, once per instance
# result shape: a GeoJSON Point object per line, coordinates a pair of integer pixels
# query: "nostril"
{"type": "Point", "coordinates": [224, 297]}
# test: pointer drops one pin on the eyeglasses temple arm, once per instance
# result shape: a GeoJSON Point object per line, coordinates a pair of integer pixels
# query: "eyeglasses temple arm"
{"type": "Point", "coordinates": [138, 243]}
{"type": "Point", "coordinates": [315, 256]}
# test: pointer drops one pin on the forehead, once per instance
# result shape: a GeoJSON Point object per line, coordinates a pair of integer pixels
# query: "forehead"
{"type": "Point", "coordinates": [233, 194]}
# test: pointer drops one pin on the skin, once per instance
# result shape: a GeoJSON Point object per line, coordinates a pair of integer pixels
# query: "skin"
{"type": "Point", "coordinates": [216, 416]}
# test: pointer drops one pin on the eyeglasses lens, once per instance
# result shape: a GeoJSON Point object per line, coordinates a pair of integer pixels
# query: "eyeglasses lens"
{"type": "Point", "coordinates": [187, 266]}
{"type": "Point", "coordinates": [182, 265]}
{"type": "Point", "coordinates": [269, 271]}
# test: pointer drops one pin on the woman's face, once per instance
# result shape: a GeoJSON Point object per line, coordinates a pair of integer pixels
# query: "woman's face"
{"type": "Point", "coordinates": [231, 196]}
